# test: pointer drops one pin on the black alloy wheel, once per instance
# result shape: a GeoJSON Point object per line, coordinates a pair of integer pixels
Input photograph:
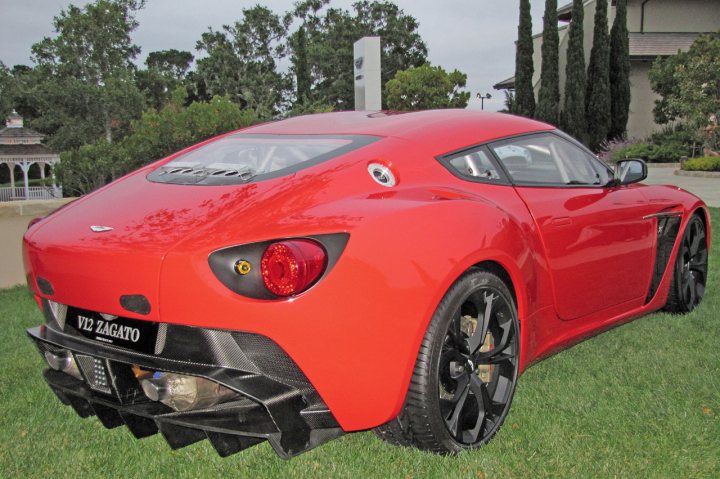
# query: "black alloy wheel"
{"type": "Point", "coordinates": [690, 271]}
{"type": "Point", "coordinates": [466, 371]}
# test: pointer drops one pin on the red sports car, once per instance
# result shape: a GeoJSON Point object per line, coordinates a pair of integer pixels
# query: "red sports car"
{"type": "Point", "coordinates": [331, 273]}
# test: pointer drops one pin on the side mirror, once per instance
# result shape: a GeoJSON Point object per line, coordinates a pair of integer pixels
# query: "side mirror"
{"type": "Point", "coordinates": [630, 171]}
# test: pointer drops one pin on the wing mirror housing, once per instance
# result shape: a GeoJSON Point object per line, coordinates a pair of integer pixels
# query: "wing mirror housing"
{"type": "Point", "coordinates": [630, 171]}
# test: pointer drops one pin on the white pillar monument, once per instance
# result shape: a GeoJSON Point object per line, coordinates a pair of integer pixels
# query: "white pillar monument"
{"type": "Point", "coordinates": [368, 87]}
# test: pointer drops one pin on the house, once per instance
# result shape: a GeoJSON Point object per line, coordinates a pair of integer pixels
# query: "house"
{"type": "Point", "coordinates": [657, 28]}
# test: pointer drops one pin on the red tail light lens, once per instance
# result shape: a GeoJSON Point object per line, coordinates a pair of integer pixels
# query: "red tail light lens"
{"type": "Point", "coordinates": [290, 267]}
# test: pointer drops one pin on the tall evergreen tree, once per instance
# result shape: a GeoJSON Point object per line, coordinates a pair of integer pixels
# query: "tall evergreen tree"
{"type": "Point", "coordinates": [524, 94]}
{"type": "Point", "coordinates": [597, 107]}
{"type": "Point", "coordinates": [573, 116]}
{"type": "Point", "coordinates": [548, 106]}
{"type": "Point", "coordinates": [300, 66]}
{"type": "Point", "coordinates": [619, 72]}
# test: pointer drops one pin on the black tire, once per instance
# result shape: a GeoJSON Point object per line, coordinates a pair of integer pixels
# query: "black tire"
{"type": "Point", "coordinates": [687, 286]}
{"type": "Point", "coordinates": [465, 374]}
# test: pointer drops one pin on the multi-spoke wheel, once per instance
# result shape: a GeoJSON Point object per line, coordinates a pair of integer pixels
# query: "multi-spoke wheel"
{"type": "Point", "coordinates": [466, 369]}
{"type": "Point", "coordinates": [690, 272]}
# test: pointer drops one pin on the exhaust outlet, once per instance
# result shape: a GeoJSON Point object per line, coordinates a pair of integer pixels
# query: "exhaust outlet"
{"type": "Point", "coordinates": [185, 393]}
{"type": "Point", "coordinates": [64, 362]}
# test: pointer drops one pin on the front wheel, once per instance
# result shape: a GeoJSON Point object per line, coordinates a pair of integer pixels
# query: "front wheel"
{"type": "Point", "coordinates": [466, 370]}
{"type": "Point", "coordinates": [687, 286]}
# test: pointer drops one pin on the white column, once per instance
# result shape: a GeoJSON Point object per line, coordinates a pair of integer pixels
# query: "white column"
{"type": "Point", "coordinates": [368, 86]}
{"type": "Point", "coordinates": [25, 166]}
{"type": "Point", "coordinates": [12, 177]}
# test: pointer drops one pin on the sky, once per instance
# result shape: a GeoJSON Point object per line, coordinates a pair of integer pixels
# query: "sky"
{"type": "Point", "coordinates": [474, 36]}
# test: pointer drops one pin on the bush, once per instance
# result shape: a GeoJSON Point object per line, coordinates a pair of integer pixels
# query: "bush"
{"type": "Point", "coordinates": [636, 150]}
{"type": "Point", "coordinates": [664, 153]}
{"type": "Point", "coordinates": [706, 163]}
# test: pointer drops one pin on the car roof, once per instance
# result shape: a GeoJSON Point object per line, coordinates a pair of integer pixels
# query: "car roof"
{"type": "Point", "coordinates": [439, 130]}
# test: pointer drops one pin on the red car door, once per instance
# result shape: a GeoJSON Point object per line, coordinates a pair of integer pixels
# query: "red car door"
{"type": "Point", "coordinates": [598, 245]}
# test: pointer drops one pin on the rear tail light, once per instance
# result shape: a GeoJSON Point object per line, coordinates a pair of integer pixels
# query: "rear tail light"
{"type": "Point", "coordinates": [280, 268]}
{"type": "Point", "coordinates": [290, 267]}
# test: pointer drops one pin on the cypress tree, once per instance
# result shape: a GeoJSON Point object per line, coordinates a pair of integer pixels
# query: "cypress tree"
{"type": "Point", "coordinates": [549, 96]}
{"type": "Point", "coordinates": [619, 72]}
{"type": "Point", "coordinates": [597, 107]}
{"type": "Point", "coordinates": [524, 94]}
{"type": "Point", "coordinates": [573, 116]}
{"type": "Point", "coordinates": [301, 67]}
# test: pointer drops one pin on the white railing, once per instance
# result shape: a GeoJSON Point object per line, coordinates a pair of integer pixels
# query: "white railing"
{"type": "Point", "coordinates": [34, 193]}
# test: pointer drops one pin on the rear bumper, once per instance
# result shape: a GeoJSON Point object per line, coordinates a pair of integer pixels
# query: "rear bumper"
{"type": "Point", "coordinates": [277, 402]}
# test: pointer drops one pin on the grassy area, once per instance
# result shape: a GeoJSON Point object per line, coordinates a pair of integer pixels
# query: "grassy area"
{"type": "Point", "coordinates": [642, 400]}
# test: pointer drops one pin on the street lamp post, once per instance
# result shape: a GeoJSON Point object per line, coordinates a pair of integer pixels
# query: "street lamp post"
{"type": "Point", "coordinates": [482, 98]}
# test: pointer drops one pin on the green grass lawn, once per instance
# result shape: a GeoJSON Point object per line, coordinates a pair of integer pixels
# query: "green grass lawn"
{"type": "Point", "coordinates": [642, 400]}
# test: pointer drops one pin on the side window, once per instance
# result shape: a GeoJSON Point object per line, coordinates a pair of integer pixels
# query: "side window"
{"type": "Point", "coordinates": [475, 164]}
{"type": "Point", "coordinates": [548, 159]}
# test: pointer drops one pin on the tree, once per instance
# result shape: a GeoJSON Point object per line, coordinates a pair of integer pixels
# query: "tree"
{"type": "Point", "coordinates": [573, 115]}
{"type": "Point", "coordinates": [171, 63]}
{"type": "Point", "coordinates": [524, 92]}
{"type": "Point", "coordinates": [692, 91]}
{"type": "Point", "coordinates": [242, 61]}
{"type": "Point", "coordinates": [426, 87]}
{"type": "Point", "coordinates": [549, 95]}
{"type": "Point", "coordinates": [85, 73]}
{"type": "Point", "coordinates": [330, 39]}
{"type": "Point", "coordinates": [7, 91]}
{"type": "Point", "coordinates": [303, 80]}
{"type": "Point", "coordinates": [619, 72]}
{"type": "Point", "coordinates": [155, 135]}
{"type": "Point", "coordinates": [664, 83]}
{"type": "Point", "coordinates": [597, 107]}
{"type": "Point", "coordinates": [166, 70]}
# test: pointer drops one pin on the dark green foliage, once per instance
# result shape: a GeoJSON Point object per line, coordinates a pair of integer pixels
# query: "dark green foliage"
{"type": "Point", "coordinates": [241, 62]}
{"type": "Point", "coordinates": [301, 67]}
{"type": "Point", "coordinates": [155, 135]}
{"type": "Point", "coordinates": [619, 72]}
{"type": "Point", "coordinates": [332, 33]}
{"type": "Point", "coordinates": [597, 99]}
{"type": "Point", "coordinates": [664, 83]}
{"type": "Point", "coordinates": [524, 93]}
{"type": "Point", "coordinates": [690, 83]}
{"type": "Point", "coordinates": [159, 133]}
{"type": "Point", "coordinates": [426, 87]}
{"type": "Point", "coordinates": [548, 106]}
{"type": "Point", "coordinates": [166, 70]}
{"type": "Point", "coordinates": [573, 116]}
{"type": "Point", "coordinates": [83, 87]}
{"type": "Point", "coordinates": [171, 63]}
{"type": "Point", "coordinates": [89, 167]}
{"type": "Point", "coordinates": [664, 153]}
{"type": "Point", "coordinates": [705, 163]}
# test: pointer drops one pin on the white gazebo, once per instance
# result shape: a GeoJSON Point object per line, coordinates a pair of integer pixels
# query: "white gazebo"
{"type": "Point", "coordinates": [22, 147]}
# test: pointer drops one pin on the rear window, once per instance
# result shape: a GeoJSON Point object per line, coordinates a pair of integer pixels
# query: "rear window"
{"type": "Point", "coordinates": [242, 158]}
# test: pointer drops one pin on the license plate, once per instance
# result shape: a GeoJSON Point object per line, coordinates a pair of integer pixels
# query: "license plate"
{"type": "Point", "coordinates": [124, 332]}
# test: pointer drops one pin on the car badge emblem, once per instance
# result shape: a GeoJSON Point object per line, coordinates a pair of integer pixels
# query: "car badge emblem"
{"type": "Point", "coordinates": [100, 229]}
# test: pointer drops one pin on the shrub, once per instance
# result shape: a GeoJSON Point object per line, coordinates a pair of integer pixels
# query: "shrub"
{"type": "Point", "coordinates": [637, 150]}
{"type": "Point", "coordinates": [705, 163]}
{"type": "Point", "coordinates": [609, 147]}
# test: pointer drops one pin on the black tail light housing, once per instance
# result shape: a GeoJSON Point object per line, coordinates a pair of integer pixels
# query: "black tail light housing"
{"type": "Point", "coordinates": [255, 270]}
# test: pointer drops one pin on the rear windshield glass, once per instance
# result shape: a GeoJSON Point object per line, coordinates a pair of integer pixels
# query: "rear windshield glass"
{"type": "Point", "coordinates": [242, 158]}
